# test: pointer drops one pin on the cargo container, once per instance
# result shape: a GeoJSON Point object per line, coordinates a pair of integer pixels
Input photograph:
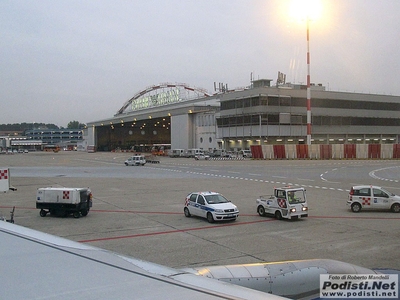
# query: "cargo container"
{"type": "Point", "coordinates": [64, 201]}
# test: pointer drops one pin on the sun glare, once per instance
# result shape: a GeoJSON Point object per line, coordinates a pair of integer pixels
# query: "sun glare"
{"type": "Point", "coordinates": [300, 10]}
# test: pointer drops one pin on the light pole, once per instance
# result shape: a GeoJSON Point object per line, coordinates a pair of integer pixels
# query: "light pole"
{"type": "Point", "coordinates": [308, 84]}
{"type": "Point", "coordinates": [308, 10]}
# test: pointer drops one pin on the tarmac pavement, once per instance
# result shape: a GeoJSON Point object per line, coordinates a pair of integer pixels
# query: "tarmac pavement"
{"type": "Point", "coordinates": [138, 211]}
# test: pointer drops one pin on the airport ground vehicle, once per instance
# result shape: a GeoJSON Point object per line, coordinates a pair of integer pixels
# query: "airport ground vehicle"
{"type": "Point", "coordinates": [210, 205]}
{"type": "Point", "coordinates": [201, 156]}
{"type": "Point", "coordinates": [64, 201]}
{"type": "Point", "coordinates": [285, 203]}
{"type": "Point", "coordinates": [372, 197]}
{"type": "Point", "coordinates": [193, 152]}
{"type": "Point", "coordinates": [53, 148]}
{"type": "Point", "coordinates": [160, 149]}
{"type": "Point", "coordinates": [219, 153]}
{"type": "Point", "coordinates": [136, 160]}
{"type": "Point", "coordinates": [177, 153]}
{"type": "Point", "coordinates": [245, 153]}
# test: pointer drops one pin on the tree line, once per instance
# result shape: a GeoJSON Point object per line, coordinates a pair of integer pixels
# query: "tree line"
{"type": "Point", "coordinates": [30, 126]}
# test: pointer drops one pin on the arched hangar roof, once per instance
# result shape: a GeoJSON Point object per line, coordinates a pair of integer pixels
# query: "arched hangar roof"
{"type": "Point", "coordinates": [162, 94]}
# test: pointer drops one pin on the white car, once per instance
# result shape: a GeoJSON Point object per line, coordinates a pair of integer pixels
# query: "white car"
{"type": "Point", "coordinates": [372, 197]}
{"type": "Point", "coordinates": [136, 160]}
{"type": "Point", "coordinates": [210, 205]}
{"type": "Point", "coordinates": [245, 153]}
{"type": "Point", "coordinates": [201, 156]}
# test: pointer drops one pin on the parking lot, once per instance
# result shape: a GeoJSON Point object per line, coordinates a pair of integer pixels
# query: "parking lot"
{"type": "Point", "coordinates": [138, 210]}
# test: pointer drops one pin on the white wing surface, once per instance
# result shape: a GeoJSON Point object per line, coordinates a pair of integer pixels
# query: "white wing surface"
{"type": "Point", "coordinates": [35, 265]}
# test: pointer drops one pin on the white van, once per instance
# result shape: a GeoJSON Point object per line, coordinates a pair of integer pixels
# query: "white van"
{"type": "Point", "coordinates": [193, 152]}
{"type": "Point", "coordinates": [219, 153]}
{"type": "Point", "coordinates": [245, 153]}
{"type": "Point", "coordinates": [136, 160]}
{"type": "Point", "coordinates": [177, 153]}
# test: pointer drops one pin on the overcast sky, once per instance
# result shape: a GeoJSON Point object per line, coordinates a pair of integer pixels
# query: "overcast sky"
{"type": "Point", "coordinates": [82, 60]}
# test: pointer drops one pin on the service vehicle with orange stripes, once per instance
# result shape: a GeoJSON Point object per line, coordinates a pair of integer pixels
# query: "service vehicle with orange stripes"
{"type": "Point", "coordinates": [372, 197]}
{"type": "Point", "coordinates": [64, 201]}
{"type": "Point", "coordinates": [286, 203]}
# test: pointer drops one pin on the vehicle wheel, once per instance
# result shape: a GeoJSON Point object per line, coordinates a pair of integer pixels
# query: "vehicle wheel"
{"type": "Point", "coordinates": [84, 212]}
{"type": "Point", "coordinates": [395, 208]}
{"type": "Point", "coordinates": [77, 214]}
{"type": "Point", "coordinates": [126, 164]}
{"type": "Point", "coordinates": [210, 218]}
{"type": "Point", "coordinates": [261, 210]}
{"type": "Point", "coordinates": [356, 207]}
{"type": "Point", "coordinates": [187, 212]}
{"type": "Point", "coordinates": [278, 215]}
{"type": "Point", "coordinates": [42, 213]}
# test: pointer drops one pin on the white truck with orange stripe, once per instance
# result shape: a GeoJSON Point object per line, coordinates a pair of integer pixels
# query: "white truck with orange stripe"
{"type": "Point", "coordinates": [285, 203]}
{"type": "Point", "coordinates": [372, 197]}
{"type": "Point", "coordinates": [64, 201]}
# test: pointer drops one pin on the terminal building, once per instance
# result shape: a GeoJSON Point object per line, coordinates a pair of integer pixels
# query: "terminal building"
{"type": "Point", "coordinates": [260, 114]}
{"type": "Point", "coordinates": [65, 138]}
{"type": "Point", "coordinates": [40, 139]}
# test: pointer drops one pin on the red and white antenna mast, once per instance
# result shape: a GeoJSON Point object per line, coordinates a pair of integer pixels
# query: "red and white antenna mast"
{"type": "Point", "coordinates": [308, 85]}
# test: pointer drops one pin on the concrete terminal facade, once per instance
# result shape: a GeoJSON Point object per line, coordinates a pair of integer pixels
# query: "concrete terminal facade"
{"type": "Point", "coordinates": [260, 114]}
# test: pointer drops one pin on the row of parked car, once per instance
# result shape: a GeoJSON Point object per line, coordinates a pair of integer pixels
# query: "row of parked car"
{"type": "Point", "coordinates": [201, 154]}
{"type": "Point", "coordinates": [13, 151]}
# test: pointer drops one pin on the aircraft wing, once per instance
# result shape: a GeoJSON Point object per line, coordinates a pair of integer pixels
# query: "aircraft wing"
{"type": "Point", "coordinates": [36, 265]}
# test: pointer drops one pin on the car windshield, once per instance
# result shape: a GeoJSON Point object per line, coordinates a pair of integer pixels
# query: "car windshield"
{"type": "Point", "coordinates": [389, 193]}
{"type": "Point", "coordinates": [215, 199]}
{"type": "Point", "coordinates": [296, 197]}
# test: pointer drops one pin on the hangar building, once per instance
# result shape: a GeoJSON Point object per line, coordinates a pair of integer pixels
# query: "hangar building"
{"type": "Point", "coordinates": [260, 114]}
